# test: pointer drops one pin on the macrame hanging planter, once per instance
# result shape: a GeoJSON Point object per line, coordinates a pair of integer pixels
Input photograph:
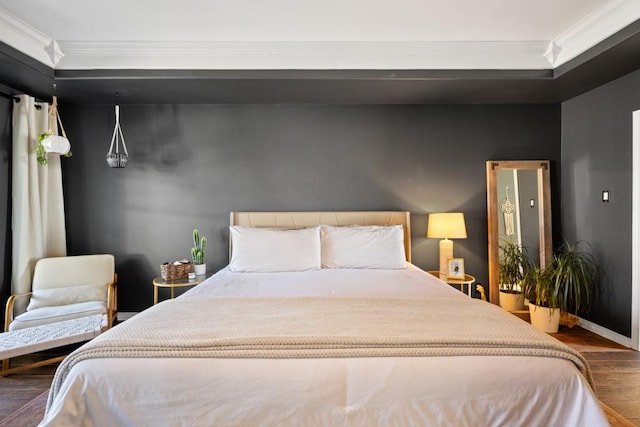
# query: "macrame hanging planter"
{"type": "Point", "coordinates": [50, 142]}
{"type": "Point", "coordinates": [116, 159]}
{"type": "Point", "coordinates": [508, 208]}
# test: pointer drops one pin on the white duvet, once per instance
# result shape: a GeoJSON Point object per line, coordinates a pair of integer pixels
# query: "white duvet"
{"type": "Point", "coordinates": [407, 391]}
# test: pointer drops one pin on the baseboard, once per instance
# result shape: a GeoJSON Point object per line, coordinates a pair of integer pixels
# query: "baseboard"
{"type": "Point", "coordinates": [606, 333]}
{"type": "Point", "coordinates": [126, 315]}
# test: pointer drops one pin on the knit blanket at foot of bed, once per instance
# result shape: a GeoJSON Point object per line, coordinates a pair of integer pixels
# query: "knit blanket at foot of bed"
{"type": "Point", "coordinates": [318, 328]}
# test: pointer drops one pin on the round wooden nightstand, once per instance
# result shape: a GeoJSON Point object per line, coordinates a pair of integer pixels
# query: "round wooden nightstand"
{"type": "Point", "coordinates": [468, 280]}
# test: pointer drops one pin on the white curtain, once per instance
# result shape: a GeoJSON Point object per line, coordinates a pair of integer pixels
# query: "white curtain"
{"type": "Point", "coordinates": [38, 206]}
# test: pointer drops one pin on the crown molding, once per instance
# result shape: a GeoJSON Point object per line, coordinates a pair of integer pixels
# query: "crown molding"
{"type": "Point", "coordinates": [466, 55]}
{"type": "Point", "coordinates": [552, 52]}
{"type": "Point", "coordinates": [54, 52]}
{"type": "Point", "coordinates": [23, 37]}
{"type": "Point", "coordinates": [303, 55]}
{"type": "Point", "coordinates": [594, 28]}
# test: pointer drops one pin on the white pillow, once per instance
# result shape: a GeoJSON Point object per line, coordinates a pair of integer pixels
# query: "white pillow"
{"type": "Point", "coordinates": [378, 247]}
{"type": "Point", "coordinates": [268, 250]}
{"type": "Point", "coordinates": [69, 295]}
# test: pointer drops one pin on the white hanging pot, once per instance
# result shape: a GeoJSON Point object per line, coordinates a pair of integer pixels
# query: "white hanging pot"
{"type": "Point", "coordinates": [56, 144]}
{"type": "Point", "coordinates": [50, 142]}
{"type": "Point", "coordinates": [115, 158]}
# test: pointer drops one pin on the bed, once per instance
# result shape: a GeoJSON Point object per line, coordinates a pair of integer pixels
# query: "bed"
{"type": "Point", "coordinates": [347, 343]}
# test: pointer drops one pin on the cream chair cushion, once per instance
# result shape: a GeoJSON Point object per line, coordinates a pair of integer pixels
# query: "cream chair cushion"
{"type": "Point", "coordinates": [69, 295]}
{"type": "Point", "coordinates": [46, 315]}
{"type": "Point", "coordinates": [61, 272]}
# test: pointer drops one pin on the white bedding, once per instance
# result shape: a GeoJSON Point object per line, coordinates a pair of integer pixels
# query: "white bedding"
{"type": "Point", "coordinates": [410, 282]}
{"type": "Point", "coordinates": [469, 390]}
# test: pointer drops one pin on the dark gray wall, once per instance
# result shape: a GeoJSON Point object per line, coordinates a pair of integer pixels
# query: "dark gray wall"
{"type": "Point", "coordinates": [596, 156]}
{"type": "Point", "coordinates": [6, 105]}
{"type": "Point", "coordinates": [192, 164]}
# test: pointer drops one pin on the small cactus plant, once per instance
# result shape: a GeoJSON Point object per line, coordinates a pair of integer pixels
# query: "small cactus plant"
{"type": "Point", "coordinates": [197, 252]}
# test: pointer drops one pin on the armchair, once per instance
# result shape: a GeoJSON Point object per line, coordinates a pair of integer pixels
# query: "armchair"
{"type": "Point", "coordinates": [65, 288]}
{"type": "Point", "coordinates": [72, 300]}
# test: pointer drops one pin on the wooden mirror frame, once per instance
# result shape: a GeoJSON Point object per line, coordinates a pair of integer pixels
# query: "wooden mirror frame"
{"type": "Point", "coordinates": [544, 215]}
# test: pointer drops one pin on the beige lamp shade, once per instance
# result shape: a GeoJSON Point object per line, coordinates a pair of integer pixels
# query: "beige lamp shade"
{"type": "Point", "coordinates": [446, 226]}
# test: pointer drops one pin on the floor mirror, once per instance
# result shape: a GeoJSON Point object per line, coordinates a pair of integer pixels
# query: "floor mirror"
{"type": "Point", "coordinates": [518, 210]}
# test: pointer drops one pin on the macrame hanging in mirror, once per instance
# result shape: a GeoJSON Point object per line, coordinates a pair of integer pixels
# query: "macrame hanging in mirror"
{"type": "Point", "coordinates": [116, 159]}
{"type": "Point", "coordinates": [508, 209]}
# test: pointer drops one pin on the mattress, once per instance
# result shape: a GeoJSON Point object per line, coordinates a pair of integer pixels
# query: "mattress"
{"type": "Point", "coordinates": [372, 391]}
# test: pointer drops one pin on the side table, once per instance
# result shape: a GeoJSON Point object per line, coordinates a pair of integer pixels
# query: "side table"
{"type": "Point", "coordinates": [159, 282]}
{"type": "Point", "coordinates": [468, 280]}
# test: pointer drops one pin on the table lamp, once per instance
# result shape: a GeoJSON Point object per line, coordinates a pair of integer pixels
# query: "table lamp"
{"type": "Point", "coordinates": [446, 226]}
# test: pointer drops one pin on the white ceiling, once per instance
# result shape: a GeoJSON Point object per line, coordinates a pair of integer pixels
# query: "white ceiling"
{"type": "Point", "coordinates": [304, 34]}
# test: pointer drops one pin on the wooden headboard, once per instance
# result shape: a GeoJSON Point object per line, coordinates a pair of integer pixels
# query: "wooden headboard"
{"type": "Point", "coordinates": [312, 219]}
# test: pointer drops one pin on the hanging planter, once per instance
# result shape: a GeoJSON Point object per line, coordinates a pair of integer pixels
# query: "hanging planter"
{"type": "Point", "coordinates": [116, 159]}
{"type": "Point", "coordinates": [50, 142]}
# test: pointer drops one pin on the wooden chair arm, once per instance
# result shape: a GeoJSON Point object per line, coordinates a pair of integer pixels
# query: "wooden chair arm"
{"type": "Point", "coordinates": [112, 300]}
{"type": "Point", "coordinates": [8, 313]}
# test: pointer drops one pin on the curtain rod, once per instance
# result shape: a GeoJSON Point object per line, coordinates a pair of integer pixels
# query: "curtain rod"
{"type": "Point", "coordinates": [17, 99]}
{"type": "Point", "coordinates": [8, 92]}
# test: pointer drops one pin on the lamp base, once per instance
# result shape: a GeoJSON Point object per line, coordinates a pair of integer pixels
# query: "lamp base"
{"type": "Point", "coordinates": [446, 253]}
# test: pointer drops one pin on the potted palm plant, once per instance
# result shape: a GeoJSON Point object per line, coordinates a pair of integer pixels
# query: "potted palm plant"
{"type": "Point", "coordinates": [513, 265]}
{"type": "Point", "coordinates": [565, 285]}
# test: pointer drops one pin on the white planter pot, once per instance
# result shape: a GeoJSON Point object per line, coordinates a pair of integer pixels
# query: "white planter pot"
{"type": "Point", "coordinates": [544, 319]}
{"type": "Point", "coordinates": [512, 302]}
{"type": "Point", "coordinates": [200, 269]}
{"type": "Point", "coordinates": [56, 144]}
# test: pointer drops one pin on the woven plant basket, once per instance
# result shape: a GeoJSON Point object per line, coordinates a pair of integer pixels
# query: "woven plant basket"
{"type": "Point", "coordinates": [176, 270]}
{"type": "Point", "coordinates": [569, 320]}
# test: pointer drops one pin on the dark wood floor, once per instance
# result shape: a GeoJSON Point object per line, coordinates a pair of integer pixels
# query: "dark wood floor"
{"type": "Point", "coordinates": [19, 389]}
{"type": "Point", "coordinates": [616, 371]}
